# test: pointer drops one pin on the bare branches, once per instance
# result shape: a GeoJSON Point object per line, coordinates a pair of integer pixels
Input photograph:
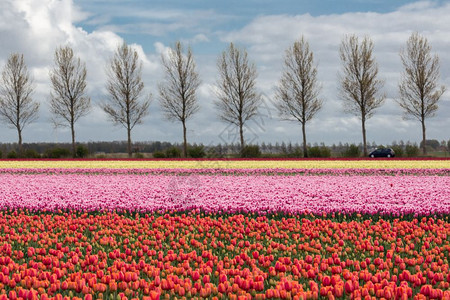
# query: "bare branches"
{"type": "Point", "coordinates": [297, 92]}
{"type": "Point", "coordinates": [178, 92]}
{"type": "Point", "coordinates": [125, 88]}
{"type": "Point", "coordinates": [359, 85]}
{"type": "Point", "coordinates": [68, 101]}
{"type": "Point", "coordinates": [17, 108]}
{"type": "Point", "coordinates": [419, 91]}
{"type": "Point", "coordinates": [238, 99]}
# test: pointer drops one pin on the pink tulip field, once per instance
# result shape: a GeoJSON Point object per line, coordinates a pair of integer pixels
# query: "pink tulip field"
{"type": "Point", "coordinates": [247, 192]}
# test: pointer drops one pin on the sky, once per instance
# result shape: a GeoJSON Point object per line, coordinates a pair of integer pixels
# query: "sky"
{"type": "Point", "coordinates": [94, 29]}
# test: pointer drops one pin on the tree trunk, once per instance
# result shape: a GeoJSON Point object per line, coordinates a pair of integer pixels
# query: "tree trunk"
{"type": "Point", "coordinates": [184, 140]}
{"type": "Point", "coordinates": [241, 133]}
{"type": "Point", "coordinates": [19, 132]}
{"type": "Point", "coordinates": [305, 149]}
{"type": "Point", "coordinates": [424, 146]}
{"type": "Point", "coordinates": [74, 151]}
{"type": "Point", "coordinates": [130, 153]}
{"type": "Point", "coordinates": [363, 122]}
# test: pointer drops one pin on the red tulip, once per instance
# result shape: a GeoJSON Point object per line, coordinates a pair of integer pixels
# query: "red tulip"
{"type": "Point", "coordinates": [195, 275]}
{"type": "Point", "coordinates": [348, 286]}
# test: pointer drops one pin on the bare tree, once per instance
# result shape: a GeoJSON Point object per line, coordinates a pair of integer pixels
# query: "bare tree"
{"type": "Point", "coordinates": [177, 92]}
{"type": "Point", "coordinates": [297, 92]}
{"type": "Point", "coordinates": [68, 101]}
{"type": "Point", "coordinates": [17, 108]}
{"type": "Point", "coordinates": [419, 91]}
{"type": "Point", "coordinates": [125, 88]}
{"type": "Point", "coordinates": [238, 99]}
{"type": "Point", "coordinates": [359, 83]}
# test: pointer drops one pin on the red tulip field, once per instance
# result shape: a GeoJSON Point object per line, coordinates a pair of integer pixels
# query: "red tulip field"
{"type": "Point", "coordinates": [263, 233]}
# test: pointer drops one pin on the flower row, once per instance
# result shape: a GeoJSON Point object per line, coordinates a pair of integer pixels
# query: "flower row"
{"type": "Point", "coordinates": [394, 195]}
{"type": "Point", "coordinates": [229, 164]}
{"type": "Point", "coordinates": [111, 255]}
{"type": "Point", "coordinates": [241, 172]}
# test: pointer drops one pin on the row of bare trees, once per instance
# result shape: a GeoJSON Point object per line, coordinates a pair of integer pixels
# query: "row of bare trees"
{"type": "Point", "coordinates": [297, 93]}
{"type": "Point", "coordinates": [360, 86]}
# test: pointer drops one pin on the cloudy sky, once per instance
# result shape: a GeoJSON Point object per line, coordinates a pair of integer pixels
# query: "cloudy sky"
{"type": "Point", "coordinates": [94, 28]}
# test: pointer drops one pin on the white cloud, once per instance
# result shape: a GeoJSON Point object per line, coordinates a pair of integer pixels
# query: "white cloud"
{"type": "Point", "coordinates": [198, 38]}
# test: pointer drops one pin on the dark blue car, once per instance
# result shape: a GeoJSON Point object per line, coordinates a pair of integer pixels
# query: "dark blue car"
{"type": "Point", "coordinates": [383, 152]}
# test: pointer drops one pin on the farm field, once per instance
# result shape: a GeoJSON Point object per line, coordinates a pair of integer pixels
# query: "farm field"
{"type": "Point", "coordinates": [225, 229]}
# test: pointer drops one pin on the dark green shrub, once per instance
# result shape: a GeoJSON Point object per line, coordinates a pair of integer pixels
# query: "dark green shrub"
{"type": "Point", "coordinates": [317, 151]}
{"type": "Point", "coordinates": [398, 151]}
{"type": "Point", "coordinates": [215, 152]}
{"type": "Point", "coordinates": [352, 151]}
{"type": "Point", "coordinates": [251, 151]}
{"type": "Point", "coordinates": [1, 154]}
{"type": "Point", "coordinates": [212, 153]}
{"type": "Point", "coordinates": [314, 151]}
{"type": "Point", "coordinates": [159, 154]}
{"type": "Point", "coordinates": [12, 154]}
{"type": "Point", "coordinates": [57, 153]}
{"type": "Point", "coordinates": [197, 152]}
{"type": "Point", "coordinates": [412, 150]}
{"type": "Point", "coordinates": [81, 151]}
{"type": "Point", "coordinates": [30, 153]}
{"type": "Point", "coordinates": [325, 151]}
{"type": "Point", "coordinates": [295, 153]}
{"type": "Point", "coordinates": [138, 155]}
{"type": "Point", "coordinates": [433, 144]}
{"type": "Point", "coordinates": [173, 152]}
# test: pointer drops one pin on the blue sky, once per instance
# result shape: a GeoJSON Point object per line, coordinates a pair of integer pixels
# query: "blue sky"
{"type": "Point", "coordinates": [206, 17]}
{"type": "Point", "coordinates": [264, 28]}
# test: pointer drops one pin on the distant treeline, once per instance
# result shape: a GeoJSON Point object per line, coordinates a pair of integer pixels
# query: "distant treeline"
{"type": "Point", "coordinates": [167, 149]}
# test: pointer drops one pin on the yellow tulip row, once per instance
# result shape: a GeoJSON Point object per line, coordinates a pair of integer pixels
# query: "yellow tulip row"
{"type": "Point", "coordinates": [229, 164]}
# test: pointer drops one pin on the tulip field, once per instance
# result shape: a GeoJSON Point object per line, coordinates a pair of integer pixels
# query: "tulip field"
{"type": "Point", "coordinates": [225, 229]}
